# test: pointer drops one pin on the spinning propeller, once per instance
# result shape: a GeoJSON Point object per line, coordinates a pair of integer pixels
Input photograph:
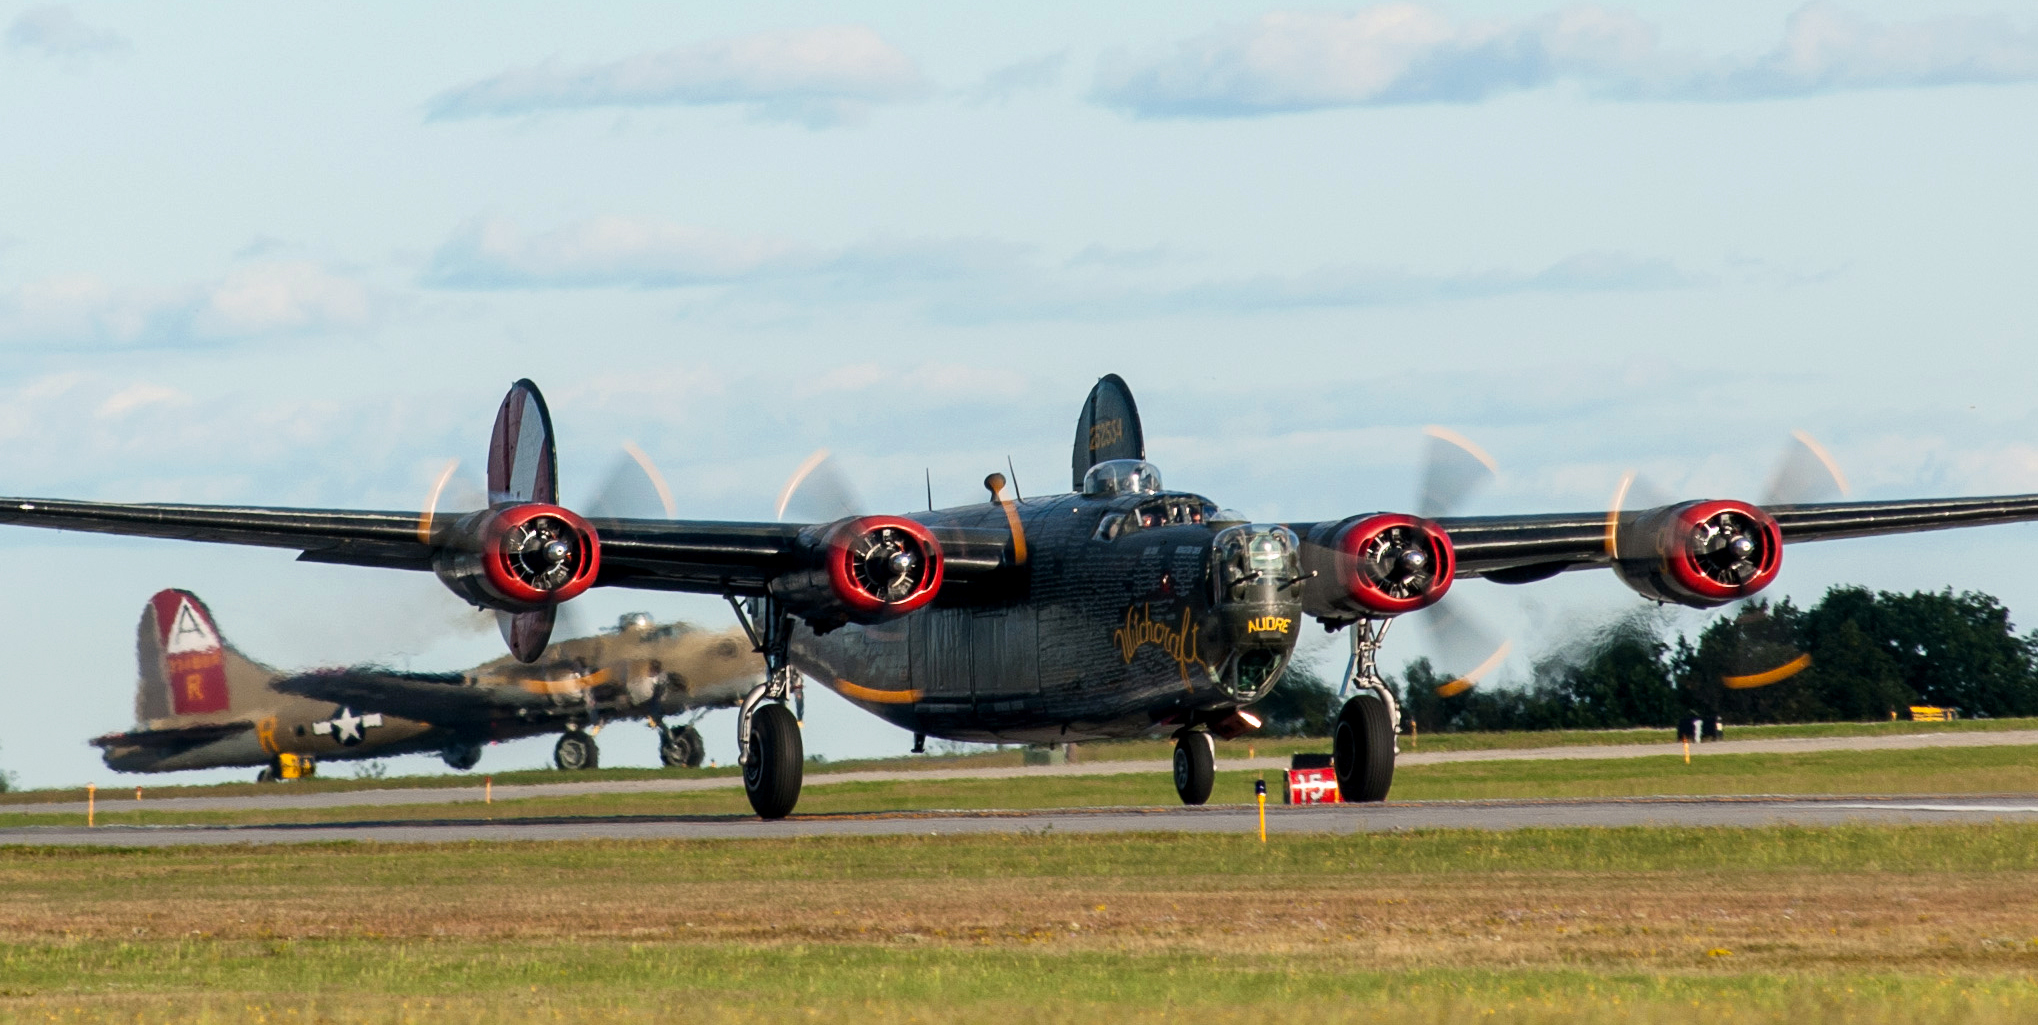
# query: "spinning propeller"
{"type": "Point", "coordinates": [1454, 469]}
{"type": "Point", "coordinates": [1384, 565]}
{"type": "Point", "coordinates": [543, 552]}
{"type": "Point", "coordinates": [1727, 546]}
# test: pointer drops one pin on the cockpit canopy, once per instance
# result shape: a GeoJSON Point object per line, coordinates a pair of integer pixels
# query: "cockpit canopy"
{"type": "Point", "coordinates": [1115, 477]}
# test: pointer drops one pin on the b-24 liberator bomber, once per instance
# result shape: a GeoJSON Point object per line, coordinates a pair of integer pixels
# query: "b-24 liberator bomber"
{"type": "Point", "coordinates": [1119, 609]}
{"type": "Point", "coordinates": [202, 704]}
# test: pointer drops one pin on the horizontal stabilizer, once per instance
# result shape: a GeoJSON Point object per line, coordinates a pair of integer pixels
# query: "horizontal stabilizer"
{"type": "Point", "coordinates": [176, 738]}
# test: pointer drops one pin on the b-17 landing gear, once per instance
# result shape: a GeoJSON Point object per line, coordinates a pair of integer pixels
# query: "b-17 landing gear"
{"type": "Point", "coordinates": [767, 733]}
{"type": "Point", "coordinates": [1362, 740]}
{"type": "Point", "coordinates": [575, 751]}
{"type": "Point", "coordinates": [681, 747]}
{"type": "Point", "coordinates": [462, 757]}
{"type": "Point", "coordinates": [1195, 765]}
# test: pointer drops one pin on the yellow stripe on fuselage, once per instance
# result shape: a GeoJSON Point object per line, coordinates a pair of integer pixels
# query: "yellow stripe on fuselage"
{"type": "Point", "coordinates": [570, 685]}
{"type": "Point", "coordinates": [856, 692]}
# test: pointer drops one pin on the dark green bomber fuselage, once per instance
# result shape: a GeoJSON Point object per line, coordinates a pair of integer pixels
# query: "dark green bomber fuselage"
{"type": "Point", "coordinates": [1091, 638]}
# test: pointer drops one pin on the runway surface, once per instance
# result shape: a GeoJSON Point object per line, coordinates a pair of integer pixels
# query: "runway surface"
{"type": "Point", "coordinates": [1338, 819]}
{"type": "Point", "coordinates": [113, 799]}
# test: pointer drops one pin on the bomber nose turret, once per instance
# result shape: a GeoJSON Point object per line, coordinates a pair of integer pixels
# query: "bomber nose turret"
{"type": "Point", "coordinates": [1259, 568]}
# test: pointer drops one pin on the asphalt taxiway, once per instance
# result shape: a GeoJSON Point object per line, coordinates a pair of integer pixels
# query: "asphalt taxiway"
{"type": "Point", "coordinates": [1335, 819]}
{"type": "Point", "coordinates": [285, 800]}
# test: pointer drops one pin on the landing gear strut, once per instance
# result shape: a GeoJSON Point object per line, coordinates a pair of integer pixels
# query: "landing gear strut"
{"type": "Point", "coordinates": [767, 733]}
{"type": "Point", "coordinates": [1362, 741]}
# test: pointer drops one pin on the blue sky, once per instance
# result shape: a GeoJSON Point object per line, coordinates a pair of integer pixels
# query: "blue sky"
{"type": "Point", "coordinates": [293, 254]}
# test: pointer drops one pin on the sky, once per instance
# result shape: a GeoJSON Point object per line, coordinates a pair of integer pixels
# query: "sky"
{"type": "Point", "coordinates": [293, 254]}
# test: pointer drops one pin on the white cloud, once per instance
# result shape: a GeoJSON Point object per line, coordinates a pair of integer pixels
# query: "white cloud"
{"type": "Point", "coordinates": [281, 298]}
{"type": "Point", "coordinates": [1407, 53]}
{"type": "Point", "coordinates": [489, 253]}
{"type": "Point", "coordinates": [1035, 73]}
{"type": "Point", "coordinates": [137, 396]}
{"type": "Point", "coordinates": [1827, 49]}
{"type": "Point", "coordinates": [818, 77]}
{"type": "Point", "coordinates": [56, 31]}
{"type": "Point", "coordinates": [262, 300]}
{"type": "Point", "coordinates": [971, 279]}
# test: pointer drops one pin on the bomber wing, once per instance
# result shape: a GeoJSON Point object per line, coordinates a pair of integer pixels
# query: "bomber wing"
{"type": "Point", "coordinates": [703, 556]}
{"type": "Point", "coordinates": [681, 555]}
{"type": "Point", "coordinates": [1518, 549]}
{"type": "Point", "coordinates": [442, 700]}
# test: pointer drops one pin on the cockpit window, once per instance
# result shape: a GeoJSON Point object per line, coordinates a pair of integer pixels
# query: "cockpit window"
{"type": "Point", "coordinates": [1115, 477]}
{"type": "Point", "coordinates": [1172, 512]}
{"type": "Point", "coordinates": [1169, 511]}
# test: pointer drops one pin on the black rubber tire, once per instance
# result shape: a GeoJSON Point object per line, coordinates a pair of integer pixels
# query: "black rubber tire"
{"type": "Point", "coordinates": [461, 757]}
{"type": "Point", "coordinates": [1195, 766]}
{"type": "Point", "coordinates": [672, 749]}
{"type": "Point", "coordinates": [576, 751]}
{"type": "Point", "coordinates": [1362, 748]}
{"type": "Point", "coordinates": [777, 760]}
{"type": "Point", "coordinates": [681, 747]}
{"type": "Point", "coordinates": [267, 775]}
{"type": "Point", "coordinates": [696, 748]}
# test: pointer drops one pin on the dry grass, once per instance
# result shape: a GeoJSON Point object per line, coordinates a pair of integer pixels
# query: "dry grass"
{"type": "Point", "coordinates": [1772, 920]}
{"type": "Point", "coordinates": [1905, 924]}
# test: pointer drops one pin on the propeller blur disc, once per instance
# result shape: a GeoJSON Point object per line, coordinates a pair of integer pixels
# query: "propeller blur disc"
{"type": "Point", "coordinates": [818, 491]}
{"type": "Point", "coordinates": [632, 489]}
{"type": "Point", "coordinates": [1460, 638]}
{"type": "Point", "coordinates": [1453, 469]}
{"type": "Point", "coordinates": [1806, 474]}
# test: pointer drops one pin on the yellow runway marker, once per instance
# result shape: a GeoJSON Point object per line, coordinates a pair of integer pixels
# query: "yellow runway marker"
{"type": "Point", "coordinates": [1260, 791]}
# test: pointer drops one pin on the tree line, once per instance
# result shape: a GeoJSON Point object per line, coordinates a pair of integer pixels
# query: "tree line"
{"type": "Point", "coordinates": [1865, 654]}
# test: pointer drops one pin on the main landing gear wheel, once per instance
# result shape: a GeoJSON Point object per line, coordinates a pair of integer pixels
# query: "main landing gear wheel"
{"type": "Point", "coordinates": [1195, 765]}
{"type": "Point", "coordinates": [681, 747]}
{"type": "Point", "coordinates": [576, 751]}
{"type": "Point", "coordinates": [462, 756]}
{"type": "Point", "coordinates": [1363, 749]}
{"type": "Point", "coordinates": [771, 776]}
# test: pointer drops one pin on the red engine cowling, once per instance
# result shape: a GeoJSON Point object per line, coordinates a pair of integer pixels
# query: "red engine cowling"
{"type": "Point", "coordinates": [1701, 554]}
{"type": "Point", "coordinates": [864, 570]}
{"type": "Point", "coordinates": [519, 558]}
{"type": "Point", "coordinates": [1384, 564]}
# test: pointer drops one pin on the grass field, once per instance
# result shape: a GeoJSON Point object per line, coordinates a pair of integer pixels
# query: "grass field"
{"type": "Point", "coordinates": [1870, 924]}
{"type": "Point", "coordinates": [1131, 750]}
{"type": "Point", "coordinates": [1975, 770]}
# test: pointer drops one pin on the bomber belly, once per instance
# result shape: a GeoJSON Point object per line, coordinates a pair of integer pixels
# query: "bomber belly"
{"type": "Point", "coordinates": [1109, 633]}
{"type": "Point", "coordinates": [1084, 664]}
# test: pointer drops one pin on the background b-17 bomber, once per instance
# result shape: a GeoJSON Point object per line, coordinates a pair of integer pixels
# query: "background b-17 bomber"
{"type": "Point", "coordinates": [200, 703]}
{"type": "Point", "coordinates": [1120, 609]}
